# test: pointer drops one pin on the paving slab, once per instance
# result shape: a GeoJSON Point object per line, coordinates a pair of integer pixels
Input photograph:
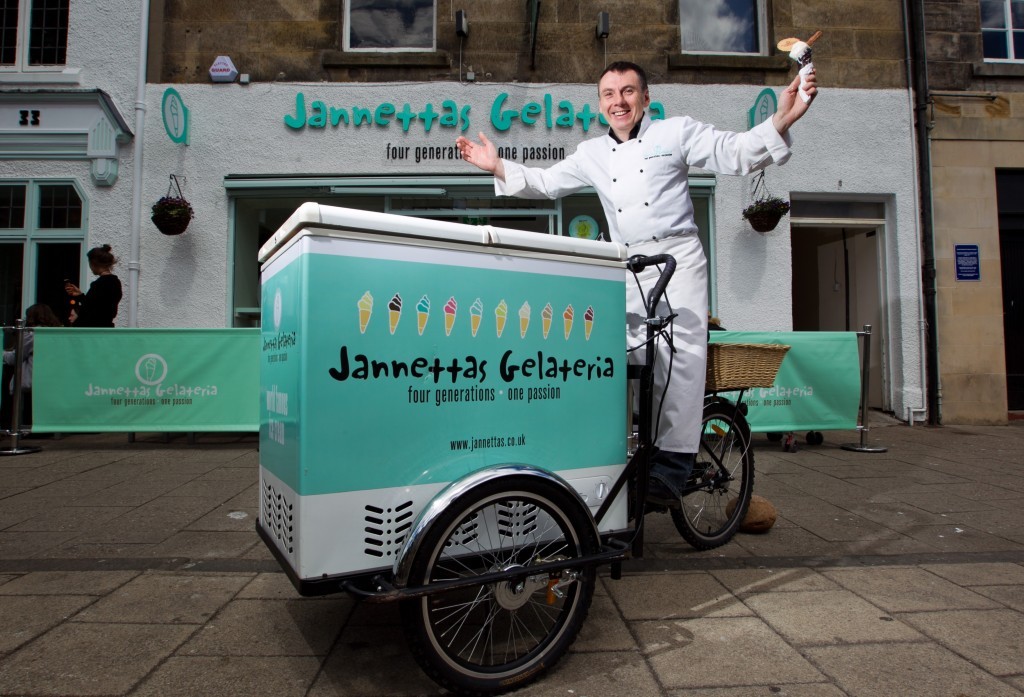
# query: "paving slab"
{"type": "Point", "coordinates": [827, 617]}
{"type": "Point", "coordinates": [167, 598]}
{"type": "Point", "coordinates": [898, 589]}
{"type": "Point", "coordinates": [89, 659]}
{"type": "Point", "coordinates": [971, 634]}
{"type": "Point", "coordinates": [908, 670]}
{"type": "Point", "coordinates": [231, 676]}
{"type": "Point", "coordinates": [722, 652]}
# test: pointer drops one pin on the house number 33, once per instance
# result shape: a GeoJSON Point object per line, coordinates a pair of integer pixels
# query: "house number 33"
{"type": "Point", "coordinates": [26, 115]}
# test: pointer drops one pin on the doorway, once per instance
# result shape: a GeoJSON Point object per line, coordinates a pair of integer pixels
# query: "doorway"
{"type": "Point", "coordinates": [837, 287]}
{"type": "Point", "coordinates": [1010, 197]}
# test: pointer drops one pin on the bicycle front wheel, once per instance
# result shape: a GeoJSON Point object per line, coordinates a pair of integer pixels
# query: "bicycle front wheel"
{"type": "Point", "coordinates": [494, 637]}
{"type": "Point", "coordinates": [723, 479]}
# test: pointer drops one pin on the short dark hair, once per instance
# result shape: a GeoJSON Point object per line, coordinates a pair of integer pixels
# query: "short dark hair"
{"type": "Point", "coordinates": [625, 67]}
{"type": "Point", "coordinates": [101, 256]}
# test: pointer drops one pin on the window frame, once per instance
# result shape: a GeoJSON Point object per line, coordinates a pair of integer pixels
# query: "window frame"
{"type": "Point", "coordinates": [1006, 31]}
{"type": "Point", "coordinates": [762, 29]}
{"type": "Point", "coordinates": [21, 63]}
{"type": "Point", "coordinates": [347, 36]}
{"type": "Point", "coordinates": [31, 235]}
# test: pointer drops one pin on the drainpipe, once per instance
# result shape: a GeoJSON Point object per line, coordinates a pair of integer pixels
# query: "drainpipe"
{"type": "Point", "coordinates": [140, 124]}
{"type": "Point", "coordinates": [916, 53]}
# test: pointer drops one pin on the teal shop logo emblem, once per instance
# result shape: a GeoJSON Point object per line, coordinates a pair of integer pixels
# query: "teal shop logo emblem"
{"type": "Point", "coordinates": [450, 311]}
{"type": "Point", "coordinates": [278, 308]}
{"type": "Point", "coordinates": [151, 369]}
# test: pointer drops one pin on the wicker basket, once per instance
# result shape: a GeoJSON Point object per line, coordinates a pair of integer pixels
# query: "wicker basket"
{"type": "Point", "coordinates": [739, 366]}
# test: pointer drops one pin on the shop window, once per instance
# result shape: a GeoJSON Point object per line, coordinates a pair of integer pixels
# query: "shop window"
{"type": "Point", "coordinates": [33, 33]}
{"type": "Point", "coordinates": [1002, 30]}
{"type": "Point", "coordinates": [259, 211]}
{"type": "Point", "coordinates": [390, 25]}
{"type": "Point", "coordinates": [723, 26]}
{"type": "Point", "coordinates": [42, 229]}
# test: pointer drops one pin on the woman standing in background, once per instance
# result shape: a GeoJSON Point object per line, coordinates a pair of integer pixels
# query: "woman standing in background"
{"type": "Point", "coordinates": [98, 307]}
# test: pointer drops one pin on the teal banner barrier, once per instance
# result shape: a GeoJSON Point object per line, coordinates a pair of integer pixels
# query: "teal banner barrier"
{"type": "Point", "coordinates": [818, 385]}
{"type": "Point", "coordinates": [150, 380]}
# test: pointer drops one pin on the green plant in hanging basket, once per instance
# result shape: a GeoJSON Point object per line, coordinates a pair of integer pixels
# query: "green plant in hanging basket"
{"type": "Point", "coordinates": [172, 214]}
{"type": "Point", "coordinates": [765, 213]}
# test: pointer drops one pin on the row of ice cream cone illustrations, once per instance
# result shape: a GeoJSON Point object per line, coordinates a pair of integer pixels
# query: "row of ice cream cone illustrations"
{"type": "Point", "coordinates": [476, 314]}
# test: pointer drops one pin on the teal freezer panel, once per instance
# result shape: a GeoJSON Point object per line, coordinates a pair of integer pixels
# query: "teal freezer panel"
{"type": "Point", "coordinates": [420, 372]}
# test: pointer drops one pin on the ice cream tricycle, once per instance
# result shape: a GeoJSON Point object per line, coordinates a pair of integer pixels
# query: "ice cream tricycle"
{"type": "Point", "coordinates": [445, 424]}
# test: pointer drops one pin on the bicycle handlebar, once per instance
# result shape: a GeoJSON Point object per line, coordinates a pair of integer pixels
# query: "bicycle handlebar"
{"type": "Point", "coordinates": [639, 262]}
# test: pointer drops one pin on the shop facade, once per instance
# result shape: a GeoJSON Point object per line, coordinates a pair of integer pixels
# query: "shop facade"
{"type": "Point", "coordinates": [375, 130]}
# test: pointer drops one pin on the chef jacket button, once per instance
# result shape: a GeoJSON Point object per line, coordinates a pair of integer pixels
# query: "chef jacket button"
{"type": "Point", "coordinates": [641, 171]}
{"type": "Point", "coordinates": [614, 180]}
{"type": "Point", "coordinates": [620, 210]}
{"type": "Point", "coordinates": [646, 203]}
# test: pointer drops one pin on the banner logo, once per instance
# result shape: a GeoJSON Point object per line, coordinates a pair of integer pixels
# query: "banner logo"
{"type": "Point", "coordinates": [151, 369]}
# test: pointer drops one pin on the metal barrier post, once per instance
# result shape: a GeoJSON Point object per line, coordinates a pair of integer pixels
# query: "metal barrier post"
{"type": "Point", "coordinates": [865, 383]}
{"type": "Point", "coordinates": [15, 431]}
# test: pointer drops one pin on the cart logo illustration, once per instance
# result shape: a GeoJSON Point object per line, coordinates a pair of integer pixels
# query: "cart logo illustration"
{"type": "Point", "coordinates": [364, 307]}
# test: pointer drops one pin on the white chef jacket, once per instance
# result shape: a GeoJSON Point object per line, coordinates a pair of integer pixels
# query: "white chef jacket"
{"type": "Point", "coordinates": [645, 193]}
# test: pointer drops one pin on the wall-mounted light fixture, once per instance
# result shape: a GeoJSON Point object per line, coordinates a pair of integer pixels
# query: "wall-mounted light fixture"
{"type": "Point", "coordinates": [603, 24]}
{"type": "Point", "coordinates": [461, 23]}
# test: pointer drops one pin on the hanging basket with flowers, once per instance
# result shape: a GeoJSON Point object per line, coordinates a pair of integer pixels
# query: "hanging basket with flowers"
{"type": "Point", "coordinates": [172, 213]}
{"type": "Point", "coordinates": [766, 211]}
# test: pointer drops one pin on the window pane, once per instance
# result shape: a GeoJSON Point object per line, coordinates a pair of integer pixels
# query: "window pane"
{"type": "Point", "coordinates": [12, 206]}
{"type": "Point", "coordinates": [8, 32]}
{"type": "Point", "coordinates": [56, 261]}
{"type": "Point", "coordinates": [383, 24]}
{"type": "Point", "coordinates": [11, 258]}
{"type": "Point", "coordinates": [48, 32]}
{"type": "Point", "coordinates": [993, 14]}
{"type": "Point", "coordinates": [994, 43]}
{"type": "Point", "coordinates": [1018, 45]}
{"type": "Point", "coordinates": [1017, 15]}
{"type": "Point", "coordinates": [724, 26]}
{"type": "Point", "coordinates": [59, 207]}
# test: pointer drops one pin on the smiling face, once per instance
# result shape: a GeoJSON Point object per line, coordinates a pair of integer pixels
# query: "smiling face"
{"type": "Point", "coordinates": [622, 100]}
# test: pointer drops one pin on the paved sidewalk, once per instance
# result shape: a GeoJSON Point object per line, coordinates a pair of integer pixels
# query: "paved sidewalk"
{"type": "Point", "coordinates": [134, 569]}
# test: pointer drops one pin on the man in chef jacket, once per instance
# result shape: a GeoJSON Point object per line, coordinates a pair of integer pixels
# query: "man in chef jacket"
{"type": "Point", "coordinates": [639, 170]}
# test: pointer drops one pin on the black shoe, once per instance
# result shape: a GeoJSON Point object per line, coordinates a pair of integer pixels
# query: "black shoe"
{"type": "Point", "coordinates": [661, 493]}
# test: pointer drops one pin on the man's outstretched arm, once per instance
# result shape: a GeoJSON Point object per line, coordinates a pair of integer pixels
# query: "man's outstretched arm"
{"type": "Point", "coordinates": [483, 154]}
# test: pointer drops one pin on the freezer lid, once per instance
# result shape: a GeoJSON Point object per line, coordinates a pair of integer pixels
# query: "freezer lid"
{"type": "Point", "coordinates": [352, 220]}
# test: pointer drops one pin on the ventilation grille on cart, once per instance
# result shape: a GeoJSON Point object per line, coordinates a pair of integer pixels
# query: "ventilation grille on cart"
{"type": "Point", "coordinates": [278, 517]}
{"type": "Point", "coordinates": [386, 528]}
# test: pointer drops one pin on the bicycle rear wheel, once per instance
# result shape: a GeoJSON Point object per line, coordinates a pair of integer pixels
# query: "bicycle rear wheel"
{"type": "Point", "coordinates": [495, 637]}
{"type": "Point", "coordinates": [723, 480]}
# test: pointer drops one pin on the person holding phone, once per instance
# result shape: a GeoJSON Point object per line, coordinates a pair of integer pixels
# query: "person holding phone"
{"type": "Point", "coordinates": [98, 307]}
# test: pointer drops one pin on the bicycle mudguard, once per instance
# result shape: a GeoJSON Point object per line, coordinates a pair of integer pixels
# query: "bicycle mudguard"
{"type": "Point", "coordinates": [404, 561]}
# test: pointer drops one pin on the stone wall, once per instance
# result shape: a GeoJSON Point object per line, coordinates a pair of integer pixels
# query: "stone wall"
{"type": "Point", "coordinates": [300, 40]}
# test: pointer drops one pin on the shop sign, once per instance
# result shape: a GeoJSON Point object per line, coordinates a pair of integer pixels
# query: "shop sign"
{"type": "Point", "coordinates": [175, 115]}
{"type": "Point", "coordinates": [546, 113]}
{"type": "Point", "coordinates": [764, 107]}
